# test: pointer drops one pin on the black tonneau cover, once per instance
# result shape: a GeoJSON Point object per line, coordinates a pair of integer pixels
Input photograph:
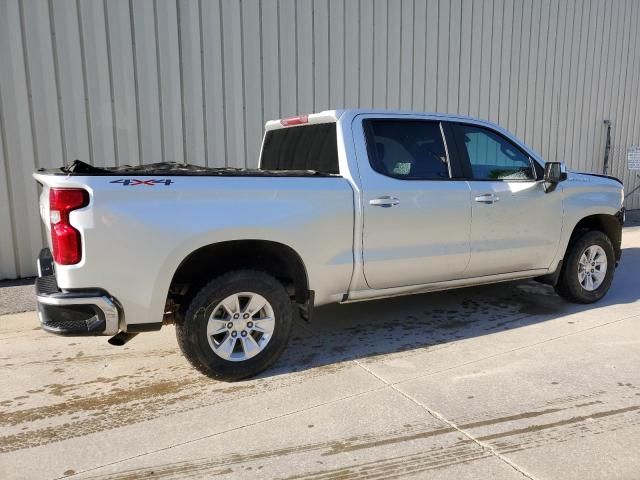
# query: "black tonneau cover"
{"type": "Point", "coordinates": [79, 168]}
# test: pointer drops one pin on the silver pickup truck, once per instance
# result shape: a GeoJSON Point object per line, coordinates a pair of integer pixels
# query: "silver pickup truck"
{"type": "Point", "coordinates": [347, 205]}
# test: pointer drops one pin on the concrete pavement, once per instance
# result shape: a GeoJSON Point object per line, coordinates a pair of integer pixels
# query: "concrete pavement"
{"type": "Point", "coordinates": [504, 381]}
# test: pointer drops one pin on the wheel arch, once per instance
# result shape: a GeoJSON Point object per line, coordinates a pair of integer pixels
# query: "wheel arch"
{"type": "Point", "coordinates": [277, 259]}
{"type": "Point", "coordinates": [608, 224]}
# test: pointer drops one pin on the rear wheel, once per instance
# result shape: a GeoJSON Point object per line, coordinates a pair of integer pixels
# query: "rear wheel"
{"type": "Point", "coordinates": [587, 271]}
{"type": "Point", "coordinates": [236, 325]}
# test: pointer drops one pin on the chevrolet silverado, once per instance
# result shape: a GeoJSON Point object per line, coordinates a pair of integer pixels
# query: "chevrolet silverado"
{"type": "Point", "coordinates": [346, 206]}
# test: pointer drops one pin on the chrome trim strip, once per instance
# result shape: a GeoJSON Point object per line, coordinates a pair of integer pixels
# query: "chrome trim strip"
{"type": "Point", "coordinates": [446, 149]}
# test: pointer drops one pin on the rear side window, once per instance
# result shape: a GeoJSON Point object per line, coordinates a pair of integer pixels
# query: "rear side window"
{"type": "Point", "coordinates": [309, 147]}
{"type": "Point", "coordinates": [407, 149]}
{"type": "Point", "coordinates": [493, 157]}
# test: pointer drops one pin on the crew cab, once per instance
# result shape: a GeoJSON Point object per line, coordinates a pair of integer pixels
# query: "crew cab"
{"type": "Point", "coordinates": [347, 205]}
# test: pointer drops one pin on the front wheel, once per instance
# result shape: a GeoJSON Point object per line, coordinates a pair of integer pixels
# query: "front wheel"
{"type": "Point", "coordinates": [587, 271]}
{"type": "Point", "coordinates": [236, 326]}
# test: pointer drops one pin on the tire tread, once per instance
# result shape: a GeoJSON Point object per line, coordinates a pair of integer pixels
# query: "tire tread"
{"type": "Point", "coordinates": [207, 362]}
{"type": "Point", "coordinates": [568, 286]}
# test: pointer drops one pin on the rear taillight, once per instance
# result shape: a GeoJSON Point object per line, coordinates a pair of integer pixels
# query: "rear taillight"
{"type": "Point", "coordinates": [66, 240]}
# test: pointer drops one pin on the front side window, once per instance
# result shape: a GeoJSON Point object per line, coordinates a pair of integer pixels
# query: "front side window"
{"type": "Point", "coordinates": [407, 149]}
{"type": "Point", "coordinates": [493, 157]}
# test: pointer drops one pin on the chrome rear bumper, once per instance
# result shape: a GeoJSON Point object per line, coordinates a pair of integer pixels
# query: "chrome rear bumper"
{"type": "Point", "coordinates": [73, 313]}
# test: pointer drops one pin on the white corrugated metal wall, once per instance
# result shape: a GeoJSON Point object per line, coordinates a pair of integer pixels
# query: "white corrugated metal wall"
{"type": "Point", "coordinates": [120, 81]}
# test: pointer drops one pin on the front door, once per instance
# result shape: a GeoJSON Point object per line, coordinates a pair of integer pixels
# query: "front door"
{"type": "Point", "coordinates": [416, 218]}
{"type": "Point", "coordinates": [515, 225]}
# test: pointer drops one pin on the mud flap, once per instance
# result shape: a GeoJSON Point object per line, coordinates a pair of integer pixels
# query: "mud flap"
{"type": "Point", "coordinates": [306, 308]}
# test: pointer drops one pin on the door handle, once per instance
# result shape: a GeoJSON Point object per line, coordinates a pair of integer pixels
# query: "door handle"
{"type": "Point", "coordinates": [385, 202]}
{"type": "Point", "coordinates": [487, 198]}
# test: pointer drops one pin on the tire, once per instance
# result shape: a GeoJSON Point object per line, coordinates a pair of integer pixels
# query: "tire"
{"type": "Point", "coordinates": [206, 311]}
{"type": "Point", "coordinates": [569, 285]}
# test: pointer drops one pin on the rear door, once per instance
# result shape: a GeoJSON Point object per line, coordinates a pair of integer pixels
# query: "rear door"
{"type": "Point", "coordinates": [515, 225]}
{"type": "Point", "coordinates": [416, 217]}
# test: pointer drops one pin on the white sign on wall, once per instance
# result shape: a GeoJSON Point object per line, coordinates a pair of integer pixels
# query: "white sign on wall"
{"type": "Point", "coordinates": [633, 157]}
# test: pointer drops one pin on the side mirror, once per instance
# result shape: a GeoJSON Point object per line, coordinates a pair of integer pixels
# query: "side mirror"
{"type": "Point", "coordinates": [554, 173]}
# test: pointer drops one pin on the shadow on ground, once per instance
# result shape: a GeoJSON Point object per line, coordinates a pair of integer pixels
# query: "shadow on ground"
{"type": "Point", "coordinates": [17, 296]}
{"type": "Point", "coordinates": [340, 333]}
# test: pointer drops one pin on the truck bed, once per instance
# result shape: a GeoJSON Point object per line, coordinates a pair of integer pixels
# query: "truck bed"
{"type": "Point", "coordinates": [80, 168]}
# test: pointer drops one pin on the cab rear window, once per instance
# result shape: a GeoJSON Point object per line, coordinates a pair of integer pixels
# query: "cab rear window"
{"type": "Point", "coordinates": [308, 147]}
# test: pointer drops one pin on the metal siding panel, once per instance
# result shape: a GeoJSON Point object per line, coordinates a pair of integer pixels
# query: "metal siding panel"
{"type": "Point", "coordinates": [146, 66]}
{"type": "Point", "coordinates": [631, 100]}
{"type": "Point", "coordinates": [253, 81]}
{"type": "Point", "coordinates": [421, 41]}
{"type": "Point", "coordinates": [595, 118]}
{"type": "Point", "coordinates": [556, 91]}
{"type": "Point", "coordinates": [288, 93]}
{"type": "Point", "coordinates": [547, 101]}
{"type": "Point", "coordinates": [46, 115]}
{"type": "Point", "coordinates": [476, 59]}
{"type": "Point", "coordinates": [394, 30]}
{"type": "Point", "coordinates": [569, 95]}
{"type": "Point", "coordinates": [366, 54]}
{"type": "Point", "coordinates": [541, 66]}
{"type": "Point", "coordinates": [234, 82]}
{"type": "Point", "coordinates": [71, 83]}
{"type": "Point", "coordinates": [485, 55]}
{"type": "Point", "coordinates": [168, 52]}
{"type": "Point", "coordinates": [606, 110]}
{"type": "Point", "coordinates": [270, 62]}
{"type": "Point", "coordinates": [630, 137]}
{"type": "Point", "coordinates": [578, 124]}
{"type": "Point", "coordinates": [123, 81]}
{"type": "Point", "coordinates": [406, 54]}
{"type": "Point", "coordinates": [213, 81]}
{"type": "Point", "coordinates": [453, 56]}
{"type": "Point", "coordinates": [532, 73]}
{"type": "Point", "coordinates": [380, 20]}
{"type": "Point", "coordinates": [605, 86]}
{"type": "Point", "coordinates": [336, 54]}
{"type": "Point", "coordinates": [7, 245]}
{"type": "Point", "coordinates": [192, 97]}
{"type": "Point", "coordinates": [628, 114]}
{"type": "Point", "coordinates": [94, 37]}
{"type": "Point", "coordinates": [18, 141]}
{"type": "Point", "coordinates": [589, 122]}
{"type": "Point", "coordinates": [618, 159]}
{"type": "Point", "coordinates": [446, 49]}
{"type": "Point", "coordinates": [496, 61]}
{"type": "Point", "coordinates": [465, 56]}
{"type": "Point", "coordinates": [426, 58]}
{"type": "Point", "coordinates": [504, 81]}
{"type": "Point", "coordinates": [83, 81]}
{"type": "Point", "coordinates": [304, 50]}
{"type": "Point", "coordinates": [516, 53]}
{"type": "Point", "coordinates": [352, 55]}
{"type": "Point", "coordinates": [321, 54]}
{"type": "Point", "coordinates": [605, 97]}
{"type": "Point", "coordinates": [633, 136]}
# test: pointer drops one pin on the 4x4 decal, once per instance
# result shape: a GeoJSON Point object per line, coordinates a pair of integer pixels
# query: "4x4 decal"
{"type": "Point", "coordinates": [126, 182]}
